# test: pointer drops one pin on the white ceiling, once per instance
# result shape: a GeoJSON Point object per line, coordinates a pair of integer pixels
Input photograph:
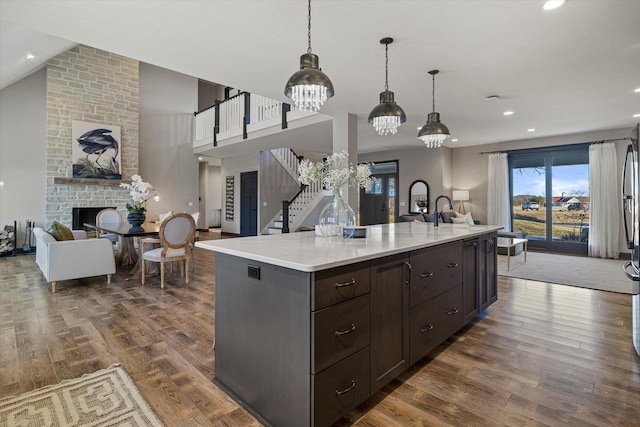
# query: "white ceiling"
{"type": "Point", "coordinates": [565, 71]}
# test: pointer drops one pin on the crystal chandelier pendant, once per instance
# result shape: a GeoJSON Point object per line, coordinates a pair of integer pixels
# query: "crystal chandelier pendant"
{"type": "Point", "coordinates": [434, 132]}
{"type": "Point", "coordinates": [386, 125]}
{"type": "Point", "coordinates": [309, 97]}
{"type": "Point", "coordinates": [387, 116]}
{"type": "Point", "coordinates": [309, 88]}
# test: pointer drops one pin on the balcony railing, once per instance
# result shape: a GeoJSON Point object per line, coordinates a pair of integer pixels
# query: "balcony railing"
{"type": "Point", "coordinates": [232, 116]}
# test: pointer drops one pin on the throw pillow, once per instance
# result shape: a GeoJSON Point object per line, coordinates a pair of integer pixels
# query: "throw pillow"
{"type": "Point", "coordinates": [60, 232]}
{"type": "Point", "coordinates": [467, 217]}
{"type": "Point", "coordinates": [446, 216]}
{"type": "Point", "coordinates": [459, 220]}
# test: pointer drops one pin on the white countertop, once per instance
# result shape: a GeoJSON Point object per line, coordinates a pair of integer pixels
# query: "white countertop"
{"type": "Point", "coordinates": [304, 251]}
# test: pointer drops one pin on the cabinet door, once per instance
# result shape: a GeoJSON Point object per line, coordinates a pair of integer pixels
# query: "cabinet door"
{"type": "Point", "coordinates": [470, 279]}
{"type": "Point", "coordinates": [389, 319]}
{"type": "Point", "coordinates": [489, 271]}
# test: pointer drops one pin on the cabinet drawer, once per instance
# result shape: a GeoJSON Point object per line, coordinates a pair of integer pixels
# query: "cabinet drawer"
{"type": "Point", "coordinates": [340, 388]}
{"type": "Point", "coordinates": [434, 321]}
{"type": "Point", "coordinates": [340, 284]}
{"type": "Point", "coordinates": [433, 271]}
{"type": "Point", "coordinates": [339, 331]}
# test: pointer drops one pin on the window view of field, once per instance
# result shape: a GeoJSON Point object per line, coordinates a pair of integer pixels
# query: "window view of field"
{"type": "Point", "coordinates": [569, 203]}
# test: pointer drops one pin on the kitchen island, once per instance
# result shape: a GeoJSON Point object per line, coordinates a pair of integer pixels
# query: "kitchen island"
{"type": "Point", "coordinates": [309, 327]}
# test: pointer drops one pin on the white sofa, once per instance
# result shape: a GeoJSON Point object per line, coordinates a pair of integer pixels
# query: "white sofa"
{"type": "Point", "coordinates": [73, 259]}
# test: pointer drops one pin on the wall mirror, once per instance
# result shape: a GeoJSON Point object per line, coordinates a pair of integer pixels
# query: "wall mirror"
{"type": "Point", "coordinates": [419, 196]}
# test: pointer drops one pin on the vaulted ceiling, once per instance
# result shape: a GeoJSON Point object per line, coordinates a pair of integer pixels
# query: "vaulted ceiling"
{"type": "Point", "coordinates": [570, 70]}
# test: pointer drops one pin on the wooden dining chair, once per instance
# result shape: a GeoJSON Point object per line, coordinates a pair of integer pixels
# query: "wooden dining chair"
{"type": "Point", "coordinates": [176, 234]}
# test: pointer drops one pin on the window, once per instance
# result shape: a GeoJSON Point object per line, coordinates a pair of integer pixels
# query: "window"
{"type": "Point", "coordinates": [550, 197]}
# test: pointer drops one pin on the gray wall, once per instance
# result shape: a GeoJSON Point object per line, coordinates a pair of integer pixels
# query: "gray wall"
{"type": "Point", "coordinates": [234, 166]}
{"type": "Point", "coordinates": [429, 164]}
{"type": "Point", "coordinates": [167, 102]}
{"type": "Point", "coordinates": [23, 144]}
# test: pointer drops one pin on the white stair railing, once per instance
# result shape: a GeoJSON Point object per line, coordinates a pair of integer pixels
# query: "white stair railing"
{"type": "Point", "coordinates": [231, 114]}
{"type": "Point", "coordinates": [288, 159]}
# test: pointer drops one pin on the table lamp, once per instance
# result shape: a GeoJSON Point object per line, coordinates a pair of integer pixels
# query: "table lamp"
{"type": "Point", "coordinates": [460, 196]}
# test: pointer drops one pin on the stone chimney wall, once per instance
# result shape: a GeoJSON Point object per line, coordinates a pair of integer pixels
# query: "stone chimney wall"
{"type": "Point", "coordinates": [90, 85]}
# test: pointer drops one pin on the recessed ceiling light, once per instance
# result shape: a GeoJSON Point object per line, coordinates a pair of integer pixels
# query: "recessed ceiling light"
{"type": "Point", "coordinates": [553, 4]}
{"type": "Point", "coordinates": [531, 130]}
{"type": "Point", "coordinates": [200, 158]}
{"type": "Point", "coordinates": [508, 113]}
{"type": "Point", "coordinates": [637, 90]}
{"type": "Point", "coordinates": [454, 140]}
{"type": "Point", "coordinates": [29, 56]}
{"type": "Point", "coordinates": [636, 115]}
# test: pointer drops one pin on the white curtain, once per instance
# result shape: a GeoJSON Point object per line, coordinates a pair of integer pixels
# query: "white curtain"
{"type": "Point", "coordinates": [498, 209]}
{"type": "Point", "coordinates": [604, 204]}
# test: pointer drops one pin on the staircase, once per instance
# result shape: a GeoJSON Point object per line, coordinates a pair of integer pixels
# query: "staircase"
{"type": "Point", "coordinates": [305, 202]}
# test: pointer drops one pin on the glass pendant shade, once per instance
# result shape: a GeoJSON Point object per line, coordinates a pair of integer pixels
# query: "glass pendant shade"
{"type": "Point", "coordinates": [433, 133]}
{"type": "Point", "coordinates": [387, 116]}
{"type": "Point", "coordinates": [309, 87]}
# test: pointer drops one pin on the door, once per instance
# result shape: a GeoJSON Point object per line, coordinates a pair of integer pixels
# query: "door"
{"type": "Point", "coordinates": [389, 319]}
{"type": "Point", "coordinates": [379, 204]}
{"type": "Point", "coordinates": [550, 197]}
{"type": "Point", "coordinates": [249, 203]}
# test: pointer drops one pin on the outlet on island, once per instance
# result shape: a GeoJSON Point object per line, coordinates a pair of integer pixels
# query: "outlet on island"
{"type": "Point", "coordinates": [253, 271]}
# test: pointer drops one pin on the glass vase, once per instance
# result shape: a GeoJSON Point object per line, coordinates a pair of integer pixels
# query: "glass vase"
{"type": "Point", "coordinates": [336, 215]}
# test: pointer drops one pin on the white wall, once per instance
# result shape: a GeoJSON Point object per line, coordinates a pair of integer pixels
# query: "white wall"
{"type": "Point", "coordinates": [23, 145]}
{"type": "Point", "coordinates": [166, 160]}
{"type": "Point", "coordinates": [234, 166]}
{"type": "Point", "coordinates": [470, 168]}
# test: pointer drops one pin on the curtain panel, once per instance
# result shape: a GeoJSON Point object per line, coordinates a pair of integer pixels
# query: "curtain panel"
{"type": "Point", "coordinates": [604, 204]}
{"type": "Point", "coordinates": [498, 207]}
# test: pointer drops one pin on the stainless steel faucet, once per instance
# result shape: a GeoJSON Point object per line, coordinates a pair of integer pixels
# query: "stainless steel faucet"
{"type": "Point", "coordinates": [436, 214]}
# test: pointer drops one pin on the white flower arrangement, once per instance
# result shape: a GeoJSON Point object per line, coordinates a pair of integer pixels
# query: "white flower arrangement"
{"type": "Point", "coordinates": [139, 191]}
{"type": "Point", "coordinates": [335, 172]}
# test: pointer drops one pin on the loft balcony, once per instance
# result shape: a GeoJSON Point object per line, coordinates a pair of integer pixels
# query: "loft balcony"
{"type": "Point", "coordinates": [248, 122]}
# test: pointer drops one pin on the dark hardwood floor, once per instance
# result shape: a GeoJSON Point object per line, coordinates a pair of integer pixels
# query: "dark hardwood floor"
{"type": "Point", "coordinates": [542, 355]}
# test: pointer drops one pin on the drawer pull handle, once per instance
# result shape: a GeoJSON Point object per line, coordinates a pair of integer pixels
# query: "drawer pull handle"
{"type": "Point", "coordinates": [453, 311]}
{"type": "Point", "coordinates": [452, 265]}
{"type": "Point", "coordinates": [474, 243]}
{"type": "Point", "coordinates": [348, 331]}
{"type": "Point", "coordinates": [349, 283]}
{"type": "Point", "coordinates": [427, 274]}
{"type": "Point", "coordinates": [346, 390]}
{"type": "Point", "coordinates": [427, 328]}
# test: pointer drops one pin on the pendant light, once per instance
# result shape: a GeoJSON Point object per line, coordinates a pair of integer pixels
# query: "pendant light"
{"type": "Point", "coordinates": [309, 87]}
{"type": "Point", "coordinates": [433, 133]}
{"type": "Point", "coordinates": [387, 116]}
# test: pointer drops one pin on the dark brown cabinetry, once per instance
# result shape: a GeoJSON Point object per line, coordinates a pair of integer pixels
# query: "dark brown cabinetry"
{"type": "Point", "coordinates": [471, 280]}
{"type": "Point", "coordinates": [303, 348]}
{"type": "Point", "coordinates": [488, 286]}
{"type": "Point", "coordinates": [389, 319]}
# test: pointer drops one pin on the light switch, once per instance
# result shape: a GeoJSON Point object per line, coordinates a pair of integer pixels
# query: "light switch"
{"type": "Point", "coordinates": [264, 204]}
{"type": "Point", "coordinates": [190, 204]}
{"type": "Point", "coordinates": [402, 203]}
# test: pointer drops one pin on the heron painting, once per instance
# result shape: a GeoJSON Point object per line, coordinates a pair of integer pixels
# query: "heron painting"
{"type": "Point", "coordinates": [96, 150]}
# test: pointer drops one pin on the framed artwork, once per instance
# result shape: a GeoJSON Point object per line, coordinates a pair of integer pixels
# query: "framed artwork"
{"type": "Point", "coordinates": [229, 197]}
{"type": "Point", "coordinates": [95, 150]}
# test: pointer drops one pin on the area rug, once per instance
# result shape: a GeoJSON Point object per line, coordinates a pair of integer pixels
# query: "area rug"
{"type": "Point", "coordinates": [104, 398]}
{"type": "Point", "coordinates": [584, 272]}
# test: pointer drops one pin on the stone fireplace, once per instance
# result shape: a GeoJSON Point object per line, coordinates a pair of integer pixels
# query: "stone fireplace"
{"type": "Point", "coordinates": [90, 85]}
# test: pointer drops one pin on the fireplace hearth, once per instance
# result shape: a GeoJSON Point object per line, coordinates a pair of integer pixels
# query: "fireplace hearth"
{"type": "Point", "coordinates": [81, 215]}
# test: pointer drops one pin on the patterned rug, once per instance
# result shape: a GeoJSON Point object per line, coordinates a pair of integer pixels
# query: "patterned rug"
{"type": "Point", "coordinates": [105, 398]}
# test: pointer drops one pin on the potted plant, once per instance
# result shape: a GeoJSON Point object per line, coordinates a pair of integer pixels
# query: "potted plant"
{"type": "Point", "coordinates": [140, 192]}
